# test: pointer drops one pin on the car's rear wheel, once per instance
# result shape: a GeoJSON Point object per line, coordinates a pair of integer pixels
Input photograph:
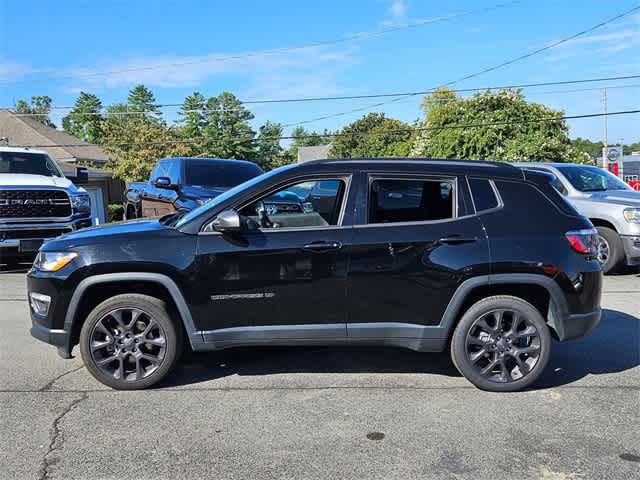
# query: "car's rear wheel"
{"type": "Point", "coordinates": [501, 344]}
{"type": "Point", "coordinates": [610, 250]}
{"type": "Point", "coordinates": [129, 342]}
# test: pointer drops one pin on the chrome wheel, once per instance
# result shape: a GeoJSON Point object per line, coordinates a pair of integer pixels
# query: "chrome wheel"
{"type": "Point", "coordinates": [604, 250]}
{"type": "Point", "coordinates": [503, 346]}
{"type": "Point", "coordinates": [127, 344]}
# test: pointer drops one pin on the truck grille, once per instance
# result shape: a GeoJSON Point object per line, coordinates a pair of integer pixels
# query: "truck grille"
{"type": "Point", "coordinates": [34, 204]}
{"type": "Point", "coordinates": [33, 234]}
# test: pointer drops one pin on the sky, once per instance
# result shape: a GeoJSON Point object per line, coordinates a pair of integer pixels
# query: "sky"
{"type": "Point", "coordinates": [61, 48]}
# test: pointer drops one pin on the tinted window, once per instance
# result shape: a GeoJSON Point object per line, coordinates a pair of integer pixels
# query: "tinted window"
{"type": "Point", "coordinates": [227, 174]}
{"type": "Point", "coordinates": [555, 182]}
{"type": "Point", "coordinates": [28, 163]}
{"type": "Point", "coordinates": [484, 197]}
{"type": "Point", "coordinates": [591, 179]}
{"type": "Point", "coordinates": [410, 200]}
{"type": "Point", "coordinates": [296, 206]}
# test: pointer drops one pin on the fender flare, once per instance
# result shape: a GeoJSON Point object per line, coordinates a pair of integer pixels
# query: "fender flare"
{"type": "Point", "coordinates": [558, 307]}
{"type": "Point", "coordinates": [194, 336]}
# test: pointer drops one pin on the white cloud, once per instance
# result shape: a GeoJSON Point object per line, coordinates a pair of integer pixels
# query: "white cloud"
{"type": "Point", "coordinates": [12, 71]}
{"type": "Point", "coordinates": [397, 13]}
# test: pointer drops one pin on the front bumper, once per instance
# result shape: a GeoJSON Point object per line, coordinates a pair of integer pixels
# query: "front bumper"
{"type": "Point", "coordinates": [631, 245]}
{"type": "Point", "coordinates": [12, 235]}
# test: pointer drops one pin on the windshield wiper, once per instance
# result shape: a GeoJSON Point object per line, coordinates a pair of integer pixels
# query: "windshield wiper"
{"type": "Point", "coordinates": [599, 189]}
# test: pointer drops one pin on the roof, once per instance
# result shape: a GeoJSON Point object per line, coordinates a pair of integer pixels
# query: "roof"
{"type": "Point", "coordinates": [313, 153]}
{"type": "Point", "coordinates": [479, 167]}
{"type": "Point", "coordinates": [21, 150]}
{"type": "Point", "coordinates": [28, 131]}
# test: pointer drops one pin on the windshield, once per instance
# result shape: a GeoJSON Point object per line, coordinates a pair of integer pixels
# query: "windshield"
{"type": "Point", "coordinates": [180, 219]}
{"type": "Point", "coordinates": [208, 173]}
{"type": "Point", "coordinates": [28, 163]}
{"type": "Point", "coordinates": [591, 179]}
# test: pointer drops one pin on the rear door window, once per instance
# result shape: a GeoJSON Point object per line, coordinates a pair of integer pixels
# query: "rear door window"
{"type": "Point", "coordinates": [411, 200]}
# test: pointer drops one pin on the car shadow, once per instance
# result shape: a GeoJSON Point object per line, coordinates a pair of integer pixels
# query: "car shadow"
{"type": "Point", "coordinates": [20, 268]}
{"type": "Point", "coordinates": [612, 347]}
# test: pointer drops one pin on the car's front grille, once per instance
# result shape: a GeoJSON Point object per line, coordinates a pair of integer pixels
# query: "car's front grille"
{"type": "Point", "coordinates": [34, 204]}
{"type": "Point", "coordinates": [33, 234]}
{"type": "Point", "coordinates": [288, 208]}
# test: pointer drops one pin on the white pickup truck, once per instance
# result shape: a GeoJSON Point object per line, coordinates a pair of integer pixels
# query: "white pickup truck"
{"type": "Point", "coordinates": [37, 202]}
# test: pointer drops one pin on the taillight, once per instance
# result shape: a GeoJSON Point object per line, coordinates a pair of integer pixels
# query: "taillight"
{"type": "Point", "coordinates": [583, 241]}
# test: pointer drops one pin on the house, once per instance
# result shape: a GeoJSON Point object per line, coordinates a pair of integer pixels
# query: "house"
{"type": "Point", "coordinates": [68, 152]}
{"type": "Point", "coordinates": [318, 152]}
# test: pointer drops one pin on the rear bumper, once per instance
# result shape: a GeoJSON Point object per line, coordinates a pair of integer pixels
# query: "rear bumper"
{"type": "Point", "coordinates": [578, 325]}
{"type": "Point", "coordinates": [631, 245]}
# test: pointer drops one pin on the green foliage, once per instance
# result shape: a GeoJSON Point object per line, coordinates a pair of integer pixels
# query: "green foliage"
{"type": "Point", "coordinates": [632, 147]}
{"type": "Point", "coordinates": [304, 138]}
{"type": "Point", "coordinates": [227, 132]}
{"type": "Point", "coordinates": [40, 107]}
{"type": "Point", "coordinates": [518, 136]}
{"type": "Point", "coordinates": [593, 149]}
{"type": "Point", "coordinates": [83, 122]}
{"type": "Point", "coordinates": [269, 153]}
{"type": "Point", "coordinates": [374, 135]}
{"type": "Point", "coordinates": [115, 212]}
{"type": "Point", "coordinates": [192, 116]}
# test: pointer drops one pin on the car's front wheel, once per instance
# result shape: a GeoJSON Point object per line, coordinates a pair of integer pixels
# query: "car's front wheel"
{"type": "Point", "coordinates": [129, 342]}
{"type": "Point", "coordinates": [501, 344]}
{"type": "Point", "coordinates": [610, 250]}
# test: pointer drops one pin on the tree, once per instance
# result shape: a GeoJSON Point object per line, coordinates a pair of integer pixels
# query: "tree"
{"type": "Point", "coordinates": [136, 146]}
{"type": "Point", "coordinates": [193, 116]}
{"type": "Point", "coordinates": [304, 138]}
{"type": "Point", "coordinates": [270, 153]}
{"type": "Point", "coordinates": [227, 133]}
{"type": "Point", "coordinates": [452, 128]}
{"type": "Point", "coordinates": [373, 135]}
{"type": "Point", "coordinates": [631, 147]}
{"type": "Point", "coordinates": [85, 121]}
{"type": "Point", "coordinates": [593, 149]}
{"type": "Point", "coordinates": [40, 107]}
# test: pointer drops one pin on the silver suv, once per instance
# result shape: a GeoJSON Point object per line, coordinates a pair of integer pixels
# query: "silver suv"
{"type": "Point", "coordinates": [612, 206]}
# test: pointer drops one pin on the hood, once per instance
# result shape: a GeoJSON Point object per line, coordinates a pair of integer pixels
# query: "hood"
{"type": "Point", "coordinates": [25, 180]}
{"type": "Point", "coordinates": [201, 192]}
{"type": "Point", "coordinates": [102, 233]}
{"type": "Point", "coordinates": [619, 197]}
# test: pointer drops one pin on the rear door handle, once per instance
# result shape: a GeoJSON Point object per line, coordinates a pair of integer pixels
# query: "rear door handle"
{"type": "Point", "coordinates": [322, 246]}
{"type": "Point", "coordinates": [457, 240]}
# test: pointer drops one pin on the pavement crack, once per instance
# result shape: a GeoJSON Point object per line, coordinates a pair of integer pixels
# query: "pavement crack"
{"type": "Point", "coordinates": [57, 439]}
{"type": "Point", "coordinates": [50, 384]}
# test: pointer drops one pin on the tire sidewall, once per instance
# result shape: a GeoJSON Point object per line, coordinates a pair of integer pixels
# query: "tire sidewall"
{"type": "Point", "coordinates": [525, 309]}
{"type": "Point", "coordinates": [151, 306]}
{"type": "Point", "coordinates": [616, 250]}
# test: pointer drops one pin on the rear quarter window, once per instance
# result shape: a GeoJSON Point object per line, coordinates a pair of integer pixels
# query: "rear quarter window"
{"type": "Point", "coordinates": [483, 194]}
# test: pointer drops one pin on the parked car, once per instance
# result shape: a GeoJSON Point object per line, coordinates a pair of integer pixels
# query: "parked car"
{"type": "Point", "coordinates": [470, 265]}
{"type": "Point", "coordinates": [183, 183]}
{"type": "Point", "coordinates": [37, 203]}
{"type": "Point", "coordinates": [611, 205]}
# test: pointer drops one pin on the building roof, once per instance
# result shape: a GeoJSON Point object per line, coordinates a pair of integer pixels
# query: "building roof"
{"type": "Point", "coordinates": [26, 131]}
{"type": "Point", "coordinates": [313, 153]}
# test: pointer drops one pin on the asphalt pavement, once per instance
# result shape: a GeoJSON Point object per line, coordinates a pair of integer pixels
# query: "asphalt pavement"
{"type": "Point", "coordinates": [370, 413]}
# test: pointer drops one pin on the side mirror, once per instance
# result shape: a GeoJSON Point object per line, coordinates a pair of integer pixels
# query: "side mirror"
{"type": "Point", "coordinates": [227, 221]}
{"type": "Point", "coordinates": [82, 175]}
{"type": "Point", "coordinates": [164, 182]}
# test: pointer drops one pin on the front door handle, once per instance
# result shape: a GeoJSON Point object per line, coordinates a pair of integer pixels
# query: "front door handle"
{"type": "Point", "coordinates": [322, 246]}
{"type": "Point", "coordinates": [457, 240]}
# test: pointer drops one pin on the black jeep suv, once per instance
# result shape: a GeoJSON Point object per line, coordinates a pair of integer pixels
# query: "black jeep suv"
{"type": "Point", "coordinates": [481, 257]}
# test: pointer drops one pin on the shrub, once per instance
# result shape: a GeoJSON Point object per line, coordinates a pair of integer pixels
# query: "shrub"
{"type": "Point", "coordinates": [115, 212]}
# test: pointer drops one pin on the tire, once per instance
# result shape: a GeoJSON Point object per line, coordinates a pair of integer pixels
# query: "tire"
{"type": "Point", "coordinates": [471, 340]}
{"type": "Point", "coordinates": [609, 244]}
{"type": "Point", "coordinates": [143, 358]}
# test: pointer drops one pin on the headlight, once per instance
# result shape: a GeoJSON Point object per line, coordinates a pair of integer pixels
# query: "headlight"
{"type": "Point", "coordinates": [632, 215]}
{"type": "Point", "coordinates": [53, 261]}
{"type": "Point", "coordinates": [81, 203]}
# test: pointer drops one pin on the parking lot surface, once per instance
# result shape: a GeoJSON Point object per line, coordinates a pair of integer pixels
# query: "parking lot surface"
{"type": "Point", "coordinates": [309, 413]}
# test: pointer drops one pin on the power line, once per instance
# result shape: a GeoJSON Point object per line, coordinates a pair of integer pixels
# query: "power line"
{"type": "Point", "coordinates": [275, 51]}
{"type": "Point", "coordinates": [485, 70]}
{"type": "Point", "coordinates": [399, 130]}
{"type": "Point", "coordinates": [359, 97]}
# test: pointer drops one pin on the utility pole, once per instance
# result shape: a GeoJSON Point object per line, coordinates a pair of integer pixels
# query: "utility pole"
{"type": "Point", "coordinates": [605, 147]}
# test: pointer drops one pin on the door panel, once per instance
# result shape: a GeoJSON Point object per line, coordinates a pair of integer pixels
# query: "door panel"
{"type": "Point", "coordinates": [285, 277]}
{"type": "Point", "coordinates": [406, 274]}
